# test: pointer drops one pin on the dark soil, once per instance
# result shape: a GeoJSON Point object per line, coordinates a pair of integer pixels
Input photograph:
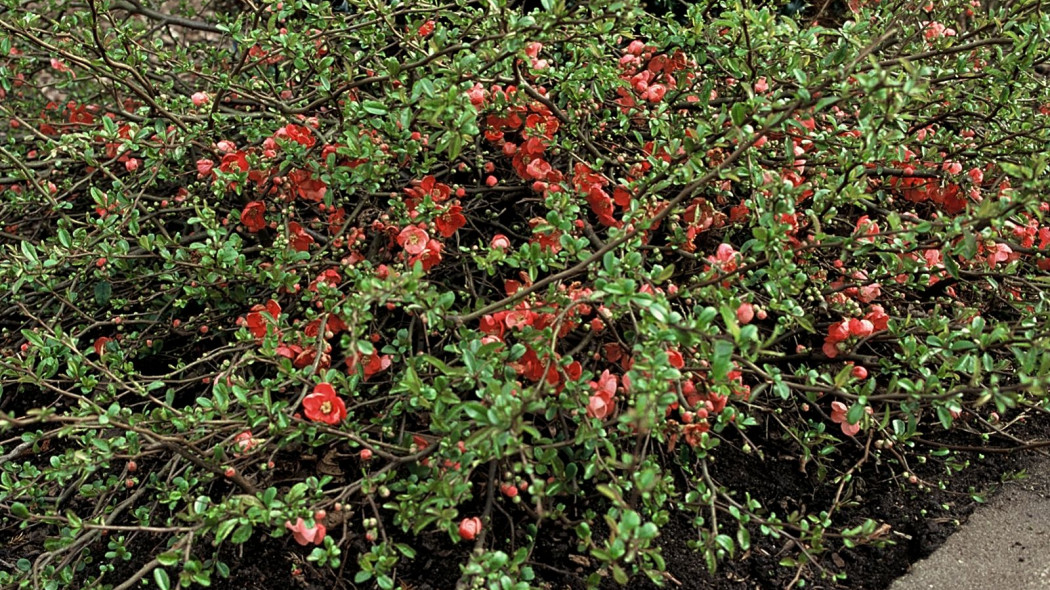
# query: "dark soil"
{"type": "Point", "coordinates": [919, 522]}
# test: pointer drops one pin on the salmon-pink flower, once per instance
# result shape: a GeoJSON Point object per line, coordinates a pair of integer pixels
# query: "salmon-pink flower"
{"type": "Point", "coordinates": [204, 167]}
{"type": "Point", "coordinates": [200, 99]}
{"type": "Point", "coordinates": [477, 95]}
{"type": "Point", "coordinates": [59, 65]}
{"type": "Point", "coordinates": [244, 443]}
{"type": "Point", "coordinates": [745, 313]}
{"type": "Point", "coordinates": [655, 93]}
{"type": "Point", "coordinates": [724, 258]}
{"type": "Point", "coordinates": [413, 240]}
{"type": "Point", "coordinates": [305, 535]}
{"type": "Point", "coordinates": [999, 253]}
{"type": "Point", "coordinates": [838, 416]}
{"type": "Point", "coordinates": [600, 403]}
{"type": "Point", "coordinates": [226, 146]}
{"type": "Point", "coordinates": [606, 385]}
{"type": "Point", "coordinates": [598, 407]}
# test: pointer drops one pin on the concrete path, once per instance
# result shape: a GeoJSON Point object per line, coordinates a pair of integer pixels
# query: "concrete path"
{"type": "Point", "coordinates": [1005, 545]}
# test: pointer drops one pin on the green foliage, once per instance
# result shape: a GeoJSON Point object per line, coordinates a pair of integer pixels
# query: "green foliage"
{"type": "Point", "coordinates": [551, 264]}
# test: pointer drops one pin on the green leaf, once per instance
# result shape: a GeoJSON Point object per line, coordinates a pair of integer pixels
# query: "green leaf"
{"type": "Point", "coordinates": [720, 360]}
{"type": "Point", "coordinates": [33, 338]}
{"type": "Point", "coordinates": [160, 575]}
{"type": "Point", "coordinates": [224, 531]}
{"type": "Point", "coordinates": [19, 510]}
{"type": "Point", "coordinates": [29, 250]}
{"type": "Point", "coordinates": [743, 539]}
{"type": "Point", "coordinates": [242, 534]}
{"type": "Point", "coordinates": [664, 274]}
{"type": "Point", "coordinates": [739, 113]}
{"type": "Point", "coordinates": [725, 542]}
{"type": "Point", "coordinates": [168, 559]}
{"type": "Point", "coordinates": [373, 107]}
{"type": "Point", "coordinates": [856, 412]}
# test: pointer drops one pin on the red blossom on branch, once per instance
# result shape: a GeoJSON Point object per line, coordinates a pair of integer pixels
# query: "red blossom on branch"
{"type": "Point", "coordinates": [253, 216]}
{"type": "Point", "coordinates": [323, 405]}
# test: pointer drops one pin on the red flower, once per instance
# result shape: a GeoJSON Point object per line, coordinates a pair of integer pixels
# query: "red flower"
{"type": "Point", "coordinates": [866, 227]}
{"type": "Point", "coordinates": [255, 321]}
{"type": "Point", "coordinates": [297, 133]}
{"type": "Point", "coordinates": [235, 162]}
{"type": "Point", "coordinates": [674, 358]}
{"type": "Point", "coordinates": [500, 242]}
{"type": "Point", "coordinates": [493, 324]}
{"type": "Point", "coordinates": [100, 344]}
{"type": "Point", "coordinates": [426, 28]}
{"type": "Point", "coordinates": [839, 331]}
{"type": "Point", "coordinates": [323, 405]}
{"type": "Point", "coordinates": [413, 240]}
{"type": "Point", "coordinates": [450, 220]}
{"type": "Point", "coordinates": [374, 364]}
{"type": "Point", "coordinates": [429, 186]}
{"type": "Point", "coordinates": [329, 276]}
{"type": "Point", "coordinates": [307, 187]}
{"type": "Point", "coordinates": [253, 216]}
{"type": "Point", "coordinates": [298, 238]}
{"type": "Point", "coordinates": [878, 318]}
{"type": "Point", "coordinates": [860, 328]}
{"type": "Point", "coordinates": [469, 528]}
{"type": "Point", "coordinates": [429, 257]}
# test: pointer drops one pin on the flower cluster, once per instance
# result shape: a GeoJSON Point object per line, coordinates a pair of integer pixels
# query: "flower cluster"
{"type": "Point", "coordinates": [838, 333]}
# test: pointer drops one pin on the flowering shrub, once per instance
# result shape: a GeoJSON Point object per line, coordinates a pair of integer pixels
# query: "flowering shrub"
{"type": "Point", "coordinates": [367, 281]}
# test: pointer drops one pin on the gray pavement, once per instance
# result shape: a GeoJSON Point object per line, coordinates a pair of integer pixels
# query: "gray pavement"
{"type": "Point", "coordinates": [1005, 544]}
